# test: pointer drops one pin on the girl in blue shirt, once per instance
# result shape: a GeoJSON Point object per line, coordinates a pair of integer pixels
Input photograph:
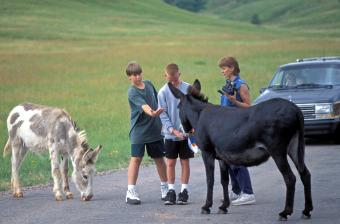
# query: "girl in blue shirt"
{"type": "Point", "coordinates": [242, 192]}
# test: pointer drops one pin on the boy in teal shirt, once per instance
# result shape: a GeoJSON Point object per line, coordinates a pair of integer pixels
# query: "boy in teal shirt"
{"type": "Point", "coordinates": [145, 131]}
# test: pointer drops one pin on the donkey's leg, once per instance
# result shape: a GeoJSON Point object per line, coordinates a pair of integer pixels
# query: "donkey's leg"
{"type": "Point", "coordinates": [56, 175]}
{"type": "Point", "coordinates": [225, 182]}
{"type": "Point", "coordinates": [64, 176]}
{"type": "Point", "coordinates": [18, 154]}
{"type": "Point", "coordinates": [209, 163]}
{"type": "Point", "coordinates": [290, 179]}
{"type": "Point", "coordinates": [306, 180]}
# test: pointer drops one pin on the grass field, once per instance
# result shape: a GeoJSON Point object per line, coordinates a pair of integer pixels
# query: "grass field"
{"type": "Point", "coordinates": [72, 54]}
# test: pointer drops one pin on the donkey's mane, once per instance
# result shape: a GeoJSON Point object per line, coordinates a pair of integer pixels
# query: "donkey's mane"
{"type": "Point", "coordinates": [83, 139]}
{"type": "Point", "coordinates": [197, 94]}
{"type": "Point", "coordinates": [74, 124]}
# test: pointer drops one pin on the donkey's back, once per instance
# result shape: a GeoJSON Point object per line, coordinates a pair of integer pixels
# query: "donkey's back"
{"type": "Point", "coordinates": [234, 130]}
{"type": "Point", "coordinates": [36, 127]}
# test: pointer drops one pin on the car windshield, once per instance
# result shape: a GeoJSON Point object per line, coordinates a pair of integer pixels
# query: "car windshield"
{"type": "Point", "coordinates": [306, 76]}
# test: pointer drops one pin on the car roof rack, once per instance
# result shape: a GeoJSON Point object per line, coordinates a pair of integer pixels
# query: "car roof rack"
{"type": "Point", "coordinates": [319, 59]}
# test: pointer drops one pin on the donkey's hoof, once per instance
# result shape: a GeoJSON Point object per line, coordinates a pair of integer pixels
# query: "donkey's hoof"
{"type": "Point", "coordinates": [205, 211]}
{"type": "Point", "coordinates": [222, 211]}
{"type": "Point", "coordinates": [86, 198]}
{"type": "Point", "coordinates": [69, 195]}
{"type": "Point", "coordinates": [305, 215]}
{"type": "Point", "coordinates": [59, 198]}
{"type": "Point", "coordinates": [18, 195]}
{"type": "Point", "coordinates": [282, 217]}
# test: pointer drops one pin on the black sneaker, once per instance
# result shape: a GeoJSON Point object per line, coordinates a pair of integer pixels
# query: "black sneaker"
{"type": "Point", "coordinates": [170, 198]}
{"type": "Point", "coordinates": [183, 197]}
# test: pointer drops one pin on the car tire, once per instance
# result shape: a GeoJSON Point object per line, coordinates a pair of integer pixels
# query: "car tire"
{"type": "Point", "coordinates": [336, 135]}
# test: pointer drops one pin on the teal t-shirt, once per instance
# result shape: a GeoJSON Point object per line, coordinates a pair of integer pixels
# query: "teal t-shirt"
{"type": "Point", "coordinates": [143, 128]}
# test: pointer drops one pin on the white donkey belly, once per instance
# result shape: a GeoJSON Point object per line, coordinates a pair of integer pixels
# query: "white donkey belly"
{"type": "Point", "coordinates": [32, 141]}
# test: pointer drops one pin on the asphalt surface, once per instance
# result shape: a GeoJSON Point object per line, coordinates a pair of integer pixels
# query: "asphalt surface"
{"type": "Point", "coordinates": [108, 205]}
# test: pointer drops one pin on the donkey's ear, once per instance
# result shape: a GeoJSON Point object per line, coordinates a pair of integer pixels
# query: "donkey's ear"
{"type": "Point", "coordinates": [96, 153]}
{"type": "Point", "coordinates": [91, 155]}
{"type": "Point", "coordinates": [197, 85]}
{"type": "Point", "coordinates": [176, 92]}
{"type": "Point", "coordinates": [87, 156]}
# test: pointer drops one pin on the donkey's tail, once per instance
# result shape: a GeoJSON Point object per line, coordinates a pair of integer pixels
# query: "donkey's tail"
{"type": "Point", "coordinates": [301, 144]}
{"type": "Point", "coordinates": [296, 148]}
{"type": "Point", "coordinates": [7, 147]}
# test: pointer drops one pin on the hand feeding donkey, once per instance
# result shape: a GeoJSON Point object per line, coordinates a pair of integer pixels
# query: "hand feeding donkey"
{"type": "Point", "coordinates": [39, 128]}
{"type": "Point", "coordinates": [247, 137]}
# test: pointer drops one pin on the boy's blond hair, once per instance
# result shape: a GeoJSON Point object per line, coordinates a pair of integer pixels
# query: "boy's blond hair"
{"type": "Point", "coordinates": [171, 69]}
{"type": "Point", "coordinates": [133, 68]}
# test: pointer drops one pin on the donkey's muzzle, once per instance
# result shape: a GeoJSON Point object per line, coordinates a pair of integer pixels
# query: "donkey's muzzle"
{"type": "Point", "coordinates": [87, 198]}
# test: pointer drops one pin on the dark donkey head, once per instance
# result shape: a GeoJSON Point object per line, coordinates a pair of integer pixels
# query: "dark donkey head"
{"type": "Point", "coordinates": [190, 105]}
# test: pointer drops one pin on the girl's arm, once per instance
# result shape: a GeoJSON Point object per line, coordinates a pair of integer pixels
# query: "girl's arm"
{"type": "Point", "coordinates": [245, 96]}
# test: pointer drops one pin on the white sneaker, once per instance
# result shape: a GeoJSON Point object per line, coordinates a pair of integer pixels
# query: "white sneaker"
{"type": "Point", "coordinates": [132, 197]}
{"type": "Point", "coordinates": [164, 191]}
{"type": "Point", "coordinates": [244, 199]}
{"type": "Point", "coordinates": [233, 196]}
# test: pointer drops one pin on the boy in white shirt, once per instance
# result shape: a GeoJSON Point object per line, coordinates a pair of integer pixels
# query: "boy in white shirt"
{"type": "Point", "coordinates": [176, 144]}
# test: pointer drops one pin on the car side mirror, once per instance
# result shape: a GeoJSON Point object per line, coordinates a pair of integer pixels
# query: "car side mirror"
{"type": "Point", "coordinates": [262, 90]}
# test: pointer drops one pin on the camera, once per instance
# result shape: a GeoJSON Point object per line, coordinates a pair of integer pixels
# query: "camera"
{"type": "Point", "coordinates": [228, 88]}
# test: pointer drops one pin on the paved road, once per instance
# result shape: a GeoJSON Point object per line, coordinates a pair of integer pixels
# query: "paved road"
{"type": "Point", "coordinates": [108, 206]}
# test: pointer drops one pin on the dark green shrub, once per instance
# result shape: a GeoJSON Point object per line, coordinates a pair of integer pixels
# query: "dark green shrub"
{"type": "Point", "coordinates": [255, 19]}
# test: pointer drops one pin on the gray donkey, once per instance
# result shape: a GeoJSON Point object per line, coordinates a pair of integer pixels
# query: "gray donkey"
{"type": "Point", "coordinates": [38, 128]}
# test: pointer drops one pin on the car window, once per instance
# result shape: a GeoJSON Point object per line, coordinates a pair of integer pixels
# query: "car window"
{"type": "Point", "coordinates": [320, 74]}
{"type": "Point", "coordinates": [278, 79]}
{"type": "Point", "coordinates": [336, 76]}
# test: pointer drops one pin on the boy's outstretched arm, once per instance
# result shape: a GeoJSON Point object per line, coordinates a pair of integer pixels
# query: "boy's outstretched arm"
{"type": "Point", "coordinates": [149, 111]}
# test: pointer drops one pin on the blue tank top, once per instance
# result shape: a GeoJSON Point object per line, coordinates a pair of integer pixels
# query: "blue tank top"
{"type": "Point", "coordinates": [237, 84]}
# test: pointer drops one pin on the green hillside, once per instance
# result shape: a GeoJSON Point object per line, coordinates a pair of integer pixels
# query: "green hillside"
{"type": "Point", "coordinates": [84, 19]}
{"type": "Point", "coordinates": [316, 14]}
{"type": "Point", "coordinates": [72, 54]}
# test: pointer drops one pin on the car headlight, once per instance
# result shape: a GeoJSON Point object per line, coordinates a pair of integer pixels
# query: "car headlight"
{"type": "Point", "coordinates": [323, 108]}
{"type": "Point", "coordinates": [336, 109]}
{"type": "Point", "coordinates": [327, 110]}
{"type": "Point", "coordinates": [324, 111]}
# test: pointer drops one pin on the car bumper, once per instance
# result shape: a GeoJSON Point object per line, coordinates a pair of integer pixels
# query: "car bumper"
{"type": "Point", "coordinates": [321, 127]}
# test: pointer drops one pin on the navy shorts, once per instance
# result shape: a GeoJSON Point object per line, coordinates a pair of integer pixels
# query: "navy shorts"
{"type": "Point", "coordinates": [154, 149]}
{"type": "Point", "coordinates": [174, 149]}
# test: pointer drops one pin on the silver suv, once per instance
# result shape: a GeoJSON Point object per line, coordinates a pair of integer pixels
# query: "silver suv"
{"type": "Point", "coordinates": [313, 84]}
